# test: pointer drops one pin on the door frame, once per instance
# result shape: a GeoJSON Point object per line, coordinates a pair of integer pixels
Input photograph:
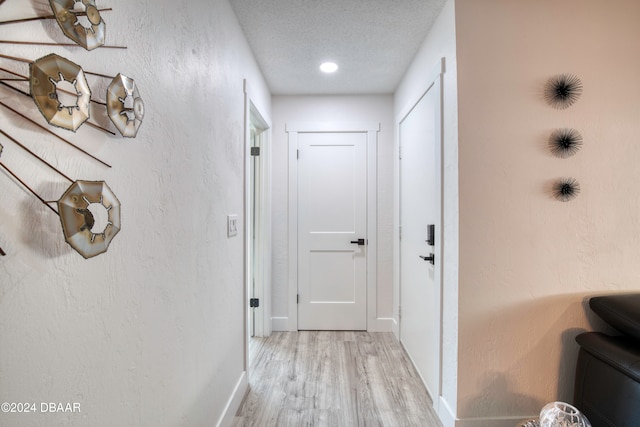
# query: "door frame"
{"type": "Point", "coordinates": [433, 81]}
{"type": "Point", "coordinates": [252, 113]}
{"type": "Point", "coordinates": [371, 129]}
{"type": "Point", "coordinates": [262, 221]}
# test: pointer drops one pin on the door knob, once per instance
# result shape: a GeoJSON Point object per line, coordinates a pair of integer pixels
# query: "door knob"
{"type": "Point", "coordinates": [431, 258]}
{"type": "Point", "coordinates": [359, 242]}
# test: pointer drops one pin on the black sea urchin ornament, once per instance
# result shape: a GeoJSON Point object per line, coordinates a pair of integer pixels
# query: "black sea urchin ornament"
{"type": "Point", "coordinates": [566, 189]}
{"type": "Point", "coordinates": [562, 91]}
{"type": "Point", "coordinates": [565, 143]}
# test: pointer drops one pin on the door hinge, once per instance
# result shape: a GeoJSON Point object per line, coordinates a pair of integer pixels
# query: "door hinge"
{"type": "Point", "coordinates": [400, 152]}
{"type": "Point", "coordinates": [255, 151]}
{"type": "Point", "coordinates": [297, 154]}
{"type": "Point", "coordinates": [254, 302]}
{"type": "Point", "coordinates": [298, 299]}
{"type": "Point", "coordinates": [400, 232]}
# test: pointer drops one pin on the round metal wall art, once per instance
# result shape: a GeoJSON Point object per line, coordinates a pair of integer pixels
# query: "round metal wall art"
{"type": "Point", "coordinates": [125, 106]}
{"type": "Point", "coordinates": [66, 13]}
{"type": "Point", "coordinates": [90, 216]}
{"type": "Point", "coordinates": [566, 189]}
{"type": "Point", "coordinates": [89, 212]}
{"type": "Point", "coordinates": [562, 91]}
{"type": "Point", "coordinates": [53, 81]}
{"type": "Point", "coordinates": [565, 142]}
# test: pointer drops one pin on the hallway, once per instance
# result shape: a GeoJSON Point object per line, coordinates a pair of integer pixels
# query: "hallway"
{"type": "Point", "coordinates": [332, 379]}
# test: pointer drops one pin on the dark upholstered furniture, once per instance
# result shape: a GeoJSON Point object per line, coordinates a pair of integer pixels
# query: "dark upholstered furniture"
{"type": "Point", "coordinates": [607, 387]}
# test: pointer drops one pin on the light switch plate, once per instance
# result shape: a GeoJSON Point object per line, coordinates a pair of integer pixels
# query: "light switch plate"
{"type": "Point", "coordinates": [232, 225]}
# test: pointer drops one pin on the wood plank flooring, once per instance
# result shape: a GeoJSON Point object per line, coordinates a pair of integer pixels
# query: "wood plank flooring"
{"type": "Point", "coordinates": [334, 379]}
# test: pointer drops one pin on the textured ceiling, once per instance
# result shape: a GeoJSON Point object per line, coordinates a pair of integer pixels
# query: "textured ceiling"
{"type": "Point", "coordinates": [373, 42]}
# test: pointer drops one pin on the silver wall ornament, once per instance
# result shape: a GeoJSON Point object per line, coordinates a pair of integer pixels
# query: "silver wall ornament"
{"type": "Point", "coordinates": [60, 90]}
{"type": "Point", "coordinates": [90, 217]}
{"type": "Point", "coordinates": [67, 13]}
{"type": "Point", "coordinates": [89, 211]}
{"type": "Point", "coordinates": [79, 20]}
{"type": "Point", "coordinates": [125, 106]}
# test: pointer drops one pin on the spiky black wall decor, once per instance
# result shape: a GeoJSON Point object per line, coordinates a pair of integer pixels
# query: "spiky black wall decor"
{"type": "Point", "coordinates": [565, 142]}
{"type": "Point", "coordinates": [563, 90]}
{"type": "Point", "coordinates": [566, 189]}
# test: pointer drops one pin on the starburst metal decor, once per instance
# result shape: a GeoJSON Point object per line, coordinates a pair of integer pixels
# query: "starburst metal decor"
{"type": "Point", "coordinates": [566, 189]}
{"type": "Point", "coordinates": [562, 91]}
{"type": "Point", "coordinates": [565, 142]}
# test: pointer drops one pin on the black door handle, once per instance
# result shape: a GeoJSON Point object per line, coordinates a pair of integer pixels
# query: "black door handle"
{"type": "Point", "coordinates": [359, 242]}
{"type": "Point", "coordinates": [431, 258]}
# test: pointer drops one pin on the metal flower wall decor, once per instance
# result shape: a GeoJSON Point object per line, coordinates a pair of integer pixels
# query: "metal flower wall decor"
{"type": "Point", "coordinates": [80, 20]}
{"type": "Point", "coordinates": [60, 91]}
{"type": "Point", "coordinates": [90, 217]}
{"type": "Point", "coordinates": [124, 105]}
{"type": "Point", "coordinates": [58, 84]}
{"type": "Point", "coordinates": [89, 211]}
{"type": "Point", "coordinates": [67, 13]}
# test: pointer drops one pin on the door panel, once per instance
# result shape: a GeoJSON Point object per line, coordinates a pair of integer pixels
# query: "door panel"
{"type": "Point", "coordinates": [332, 205]}
{"type": "Point", "coordinates": [420, 206]}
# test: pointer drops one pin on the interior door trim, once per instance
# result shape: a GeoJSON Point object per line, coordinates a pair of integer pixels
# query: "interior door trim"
{"type": "Point", "coordinates": [433, 81]}
{"type": "Point", "coordinates": [372, 129]}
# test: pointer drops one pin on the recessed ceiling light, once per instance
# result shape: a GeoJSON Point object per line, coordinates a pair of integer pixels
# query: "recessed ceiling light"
{"type": "Point", "coordinates": [328, 67]}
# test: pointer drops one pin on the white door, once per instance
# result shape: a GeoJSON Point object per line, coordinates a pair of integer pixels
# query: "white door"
{"type": "Point", "coordinates": [332, 217]}
{"type": "Point", "coordinates": [420, 201]}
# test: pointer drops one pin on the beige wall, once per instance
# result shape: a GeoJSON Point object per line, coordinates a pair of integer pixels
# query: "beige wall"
{"type": "Point", "coordinates": [528, 262]}
{"type": "Point", "coordinates": [150, 333]}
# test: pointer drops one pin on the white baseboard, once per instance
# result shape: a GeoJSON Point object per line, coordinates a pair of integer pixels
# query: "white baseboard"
{"type": "Point", "coordinates": [395, 328]}
{"type": "Point", "coordinates": [279, 324]}
{"type": "Point", "coordinates": [381, 324]}
{"type": "Point", "coordinates": [446, 415]}
{"type": "Point", "coordinates": [234, 402]}
{"type": "Point", "coordinates": [492, 422]}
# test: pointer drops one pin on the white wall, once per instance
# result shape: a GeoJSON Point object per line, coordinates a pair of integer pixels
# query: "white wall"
{"type": "Point", "coordinates": [150, 333]}
{"type": "Point", "coordinates": [440, 43]}
{"type": "Point", "coordinates": [528, 262]}
{"type": "Point", "coordinates": [290, 109]}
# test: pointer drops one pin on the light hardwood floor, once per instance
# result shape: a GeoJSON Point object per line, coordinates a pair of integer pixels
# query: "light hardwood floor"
{"type": "Point", "coordinates": [334, 379]}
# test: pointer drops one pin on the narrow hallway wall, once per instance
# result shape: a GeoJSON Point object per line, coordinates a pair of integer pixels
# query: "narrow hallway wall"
{"type": "Point", "coordinates": [150, 333]}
